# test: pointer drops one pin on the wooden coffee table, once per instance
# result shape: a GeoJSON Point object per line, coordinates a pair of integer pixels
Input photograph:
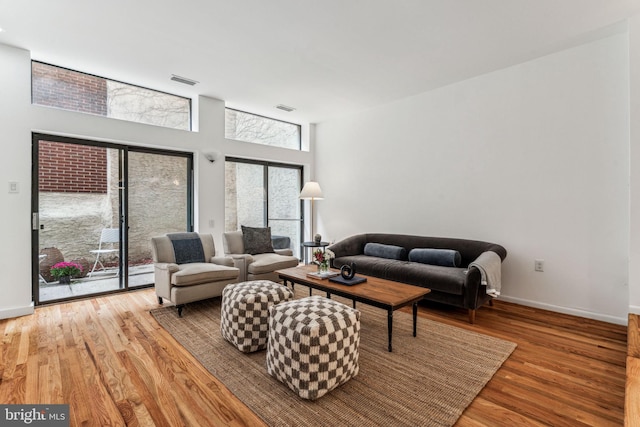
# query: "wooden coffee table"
{"type": "Point", "coordinates": [380, 293]}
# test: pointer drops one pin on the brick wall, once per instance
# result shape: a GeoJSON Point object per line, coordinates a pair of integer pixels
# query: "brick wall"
{"type": "Point", "coordinates": [71, 168]}
{"type": "Point", "coordinates": [68, 89]}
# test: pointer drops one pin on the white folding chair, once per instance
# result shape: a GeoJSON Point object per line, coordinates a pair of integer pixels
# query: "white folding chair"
{"type": "Point", "coordinates": [40, 258]}
{"type": "Point", "coordinates": [109, 236]}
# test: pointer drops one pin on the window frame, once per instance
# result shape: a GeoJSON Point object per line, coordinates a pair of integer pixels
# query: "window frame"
{"type": "Point", "coordinates": [190, 127]}
{"type": "Point", "coordinates": [268, 118]}
{"type": "Point", "coordinates": [265, 165]}
{"type": "Point", "coordinates": [123, 196]}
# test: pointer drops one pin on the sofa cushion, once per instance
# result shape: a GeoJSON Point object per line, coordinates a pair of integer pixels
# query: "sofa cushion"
{"type": "Point", "coordinates": [385, 251]}
{"type": "Point", "coordinates": [450, 280]}
{"type": "Point", "coordinates": [443, 257]}
{"type": "Point", "coordinates": [202, 272]}
{"type": "Point", "coordinates": [444, 279]}
{"type": "Point", "coordinates": [369, 265]}
{"type": "Point", "coordinates": [266, 263]}
{"type": "Point", "coordinates": [257, 240]}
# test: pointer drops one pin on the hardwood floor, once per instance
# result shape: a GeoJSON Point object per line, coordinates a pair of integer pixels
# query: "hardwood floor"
{"type": "Point", "coordinates": [632, 391]}
{"type": "Point", "coordinates": [109, 359]}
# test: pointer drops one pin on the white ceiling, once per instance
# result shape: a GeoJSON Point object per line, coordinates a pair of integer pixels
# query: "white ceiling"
{"type": "Point", "coordinates": [325, 58]}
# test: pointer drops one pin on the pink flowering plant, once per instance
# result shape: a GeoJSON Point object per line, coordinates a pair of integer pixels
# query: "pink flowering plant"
{"type": "Point", "coordinates": [62, 269]}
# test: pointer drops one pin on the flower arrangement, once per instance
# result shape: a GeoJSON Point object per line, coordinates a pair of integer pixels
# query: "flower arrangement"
{"type": "Point", "coordinates": [65, 269]}
{"type": "Point", "coordinates": [322, 258]}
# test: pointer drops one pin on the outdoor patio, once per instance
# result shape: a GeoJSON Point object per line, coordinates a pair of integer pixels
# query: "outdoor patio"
{"type": "Point", "coordinates": [100, 281]}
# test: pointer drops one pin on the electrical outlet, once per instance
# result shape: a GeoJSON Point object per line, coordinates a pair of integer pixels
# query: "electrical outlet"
{"type": "Point", "coordinates": [539, 265]}
{"type": "Point", "coordinates": [211, 223]}
{"type": "Point", "coordinates": [13, 187]}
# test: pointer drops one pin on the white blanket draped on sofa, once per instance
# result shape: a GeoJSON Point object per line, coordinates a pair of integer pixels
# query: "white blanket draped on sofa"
{"type": "Point", "coordinates": [490, 266]}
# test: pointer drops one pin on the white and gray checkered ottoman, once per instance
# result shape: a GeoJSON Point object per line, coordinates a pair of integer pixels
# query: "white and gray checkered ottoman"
{"type": "Point", "coordinates": [313, 345]}
{"type": "Point", "coordinates": [244, 318]}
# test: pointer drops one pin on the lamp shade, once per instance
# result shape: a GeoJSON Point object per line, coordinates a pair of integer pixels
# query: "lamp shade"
{"type": "Point", "coordinates": [311, 190]}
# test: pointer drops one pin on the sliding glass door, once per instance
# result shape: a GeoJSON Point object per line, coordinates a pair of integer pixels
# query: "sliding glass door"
{"type": "Point", "coordinates": [260, 194]}
{"type": "Point", "coordinates": [95, 208]}
{"type": "Point", "coordinates": [158, 202]}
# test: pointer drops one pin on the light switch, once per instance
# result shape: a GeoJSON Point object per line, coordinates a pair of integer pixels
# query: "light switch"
{"type": "Point", "coordinates": [13, 187]}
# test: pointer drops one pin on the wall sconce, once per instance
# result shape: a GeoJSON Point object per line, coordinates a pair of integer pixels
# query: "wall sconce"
{"type": "Point", "coordinates": [212, 156]}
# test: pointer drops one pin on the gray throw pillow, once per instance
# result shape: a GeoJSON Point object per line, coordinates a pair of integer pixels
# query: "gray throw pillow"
{"type": "Point", "coordinates": [385, 251]}
{"type": "Point", "coordinates": [257, 240]}
{"type": "Point", "coordinates": [441, 257]}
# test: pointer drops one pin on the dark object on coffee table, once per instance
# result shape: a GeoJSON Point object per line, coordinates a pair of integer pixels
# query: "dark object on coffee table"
{"type": "Point", "coordinates": [349, 282]}
{"type": "Point", "coordinates": [348, 271]}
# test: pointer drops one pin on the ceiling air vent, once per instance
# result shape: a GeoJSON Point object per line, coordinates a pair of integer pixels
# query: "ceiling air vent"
{"type": "Point", "coordinates": [285, 108]}
{"type": "Point", "coordinates": [183, 80]}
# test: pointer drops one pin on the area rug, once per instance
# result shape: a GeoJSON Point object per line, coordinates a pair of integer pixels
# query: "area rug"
{"type": "Point", "coordinates": [427, 381]}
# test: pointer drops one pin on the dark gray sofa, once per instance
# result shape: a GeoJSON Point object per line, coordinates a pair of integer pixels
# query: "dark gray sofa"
{"type": "Point", "coordinates": [460, 286]}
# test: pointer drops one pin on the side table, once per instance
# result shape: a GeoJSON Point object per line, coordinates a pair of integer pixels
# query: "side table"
{"type": "Point", "coordinates": [309, 245]}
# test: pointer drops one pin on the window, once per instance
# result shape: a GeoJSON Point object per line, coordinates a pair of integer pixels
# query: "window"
{"type": "Point", "coordinates": [71, 90]}
{"type": "Point", "coordinates": [81, 188]}
{"type": "Point", "coordinates": [249, 127]}
{"type": "Point", "coordinates": [260, 194]}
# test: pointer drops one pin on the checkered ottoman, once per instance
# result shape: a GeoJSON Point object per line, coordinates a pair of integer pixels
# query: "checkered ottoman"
{"type": "Point", "coordinates": [245, 312]}
{"type": "Point", "coordinates": [313, 345]}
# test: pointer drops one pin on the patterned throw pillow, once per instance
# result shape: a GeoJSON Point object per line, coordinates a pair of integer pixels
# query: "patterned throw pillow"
{"type": "Point", "coordinates": [257, 240]}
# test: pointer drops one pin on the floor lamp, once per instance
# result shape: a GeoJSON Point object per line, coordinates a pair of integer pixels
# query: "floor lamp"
{"type": "Point", "coordinates": [311, 191]}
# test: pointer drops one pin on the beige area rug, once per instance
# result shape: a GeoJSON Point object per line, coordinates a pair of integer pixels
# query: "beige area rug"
{"type": "Point", "coordinates": [426, 381]}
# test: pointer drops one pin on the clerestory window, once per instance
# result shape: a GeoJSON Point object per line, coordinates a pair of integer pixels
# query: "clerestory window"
{"type": "Point", "coordinates": [59, 87]}
{"type": "Point", "coordinates": [248, 127]}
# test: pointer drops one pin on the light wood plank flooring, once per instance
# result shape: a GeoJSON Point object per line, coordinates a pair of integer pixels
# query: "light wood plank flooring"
{"type": "Point", "coordinates": [109, 359]}
{"type": "Point", "coordinates": [632, 394]}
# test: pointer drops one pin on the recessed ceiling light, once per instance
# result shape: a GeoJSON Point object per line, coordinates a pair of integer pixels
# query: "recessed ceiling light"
{"type": "Point", "coordinates": [183, 80]}
{"type": "Point", "coordinates": [285, 108]}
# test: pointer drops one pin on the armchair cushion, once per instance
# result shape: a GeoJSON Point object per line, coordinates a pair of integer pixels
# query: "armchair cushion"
{"type": "Point", "coordinates": [202, 272]}
{"type": "Point", "coordinates": [267, 263]}
{"type": "Point", "coordinates": [257, 240]}
{"type": "Point", "coordinates": [233, 243]}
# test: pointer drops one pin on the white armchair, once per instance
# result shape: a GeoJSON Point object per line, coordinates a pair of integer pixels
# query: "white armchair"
{"type": "Point", "coordinates": [186, 268]}
{"type": "Point", "coordinates": [260, 266]}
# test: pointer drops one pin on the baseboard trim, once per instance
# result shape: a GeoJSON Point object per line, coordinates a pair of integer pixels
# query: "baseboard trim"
{"type": "Point", "coordinates": [9, 313]}
{"type": "Point", "coordinates": [565, 310]}
{"type": "Point", "coordinates": [634, 309]}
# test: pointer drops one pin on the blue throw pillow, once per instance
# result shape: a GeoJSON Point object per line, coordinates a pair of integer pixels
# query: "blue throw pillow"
{"type": "Point", "coordinates": [442, 257]}
{"type": "Point", "coordinates": [187, 247]}
{"type": "Point", "coordinates": [385, 251]}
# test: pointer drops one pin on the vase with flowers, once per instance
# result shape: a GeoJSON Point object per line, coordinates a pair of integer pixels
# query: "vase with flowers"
{"type": "Point", "coordinates": [322, 258]}
{"type": "Point", "coordinates": [64, 271]}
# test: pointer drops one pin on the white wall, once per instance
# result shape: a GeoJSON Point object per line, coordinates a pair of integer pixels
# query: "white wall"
{"type": "Point", "coordinates": [18, 119]}
{"type": "Point", "coordinates": [15, 165]}
{"type": "Point", "coordinates": [634, 193]}
{"type": "Point", "coordinates": [534, 157]}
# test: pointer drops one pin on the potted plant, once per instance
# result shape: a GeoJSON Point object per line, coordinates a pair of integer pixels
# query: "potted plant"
{"type": "Point", "coordinates": [63, 271]}
{"type": "Point", "coordinates": [322, 258]}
